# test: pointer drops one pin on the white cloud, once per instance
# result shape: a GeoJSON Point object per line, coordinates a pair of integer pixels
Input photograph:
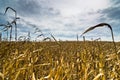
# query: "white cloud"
{"type": "Point", "coordinates": [75, 7]}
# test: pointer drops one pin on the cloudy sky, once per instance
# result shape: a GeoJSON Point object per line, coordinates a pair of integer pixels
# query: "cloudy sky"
{"type": "Point", "coordinates": [63, 18]}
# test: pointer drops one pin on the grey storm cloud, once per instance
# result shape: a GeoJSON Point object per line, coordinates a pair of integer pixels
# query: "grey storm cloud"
{"type": "Point", "coordinates": [27, 7]}
{"type": "Point", "coordinates": [112, 13]}
{"type": "Point", "coordinates": [1, 13]}
{"type": "Point", "coordinates": [33, 8]}
{"type": "Point", "coordinates": [115, 2]}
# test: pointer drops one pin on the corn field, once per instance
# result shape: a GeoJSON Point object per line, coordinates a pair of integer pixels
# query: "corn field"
{"type": "Point", "coordinates": [66, 61]}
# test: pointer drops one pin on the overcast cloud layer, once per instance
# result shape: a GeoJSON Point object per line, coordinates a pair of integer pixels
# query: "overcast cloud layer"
{"type": "Point", "coordinates": [64, 18]}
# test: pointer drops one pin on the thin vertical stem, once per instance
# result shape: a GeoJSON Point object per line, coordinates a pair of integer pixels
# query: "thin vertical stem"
{"type": "Point", "coordinates": [10, 33]}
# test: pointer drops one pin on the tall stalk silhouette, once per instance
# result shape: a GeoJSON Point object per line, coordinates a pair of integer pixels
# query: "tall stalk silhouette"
{"type": "Point", "coordinates": [6, 28]}
{"type": "Point", "coordinates": [0, 36]}
{"type": "Point", "coordinates": [28, 36]}
{"type": "Point", "coordinates": [14, 21]}
{"type": "Point", "coordinates": [10, 26]}
{"type": "Point", "coordinates": [101, 25]}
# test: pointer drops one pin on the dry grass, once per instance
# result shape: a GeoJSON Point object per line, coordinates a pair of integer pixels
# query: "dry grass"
{"type": "Point", "coordinates": [49, 61]}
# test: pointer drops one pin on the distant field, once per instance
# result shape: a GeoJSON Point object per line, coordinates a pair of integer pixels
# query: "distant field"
{"type": "Point", "coordinates": [86, 60]}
